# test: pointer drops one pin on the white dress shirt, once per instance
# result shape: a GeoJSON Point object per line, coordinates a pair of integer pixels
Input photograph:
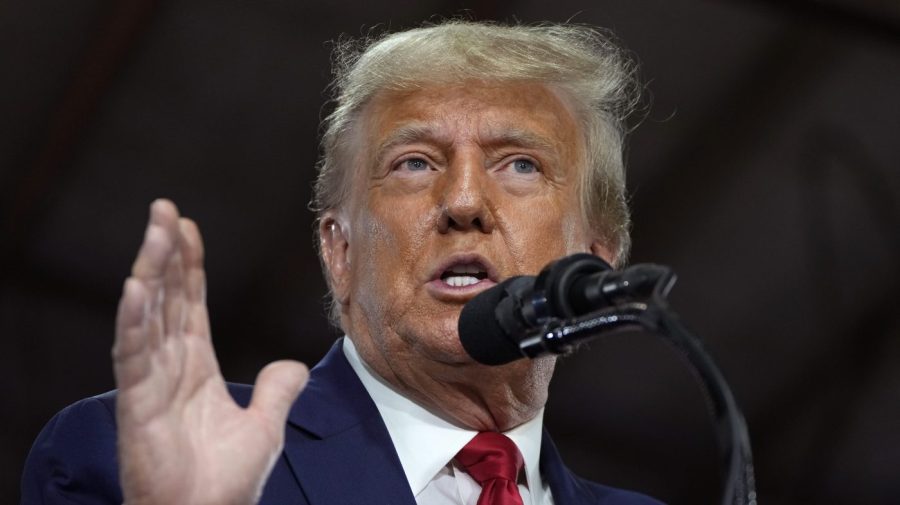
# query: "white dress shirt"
{"type": "Point", "coordinates": [427, 443]}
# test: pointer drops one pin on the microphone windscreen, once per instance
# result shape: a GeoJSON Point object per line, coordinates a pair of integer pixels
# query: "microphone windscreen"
{"type": "Point", "coordinates": [480, 332]}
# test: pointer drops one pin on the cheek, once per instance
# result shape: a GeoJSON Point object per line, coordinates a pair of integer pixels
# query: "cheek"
{"type": "Point", "coordinates": [573, 228]}
{"type": "Point", "coordinates": [553, 231]}
{"type": "Point", "coordinates": [365, 266]}
{"type": "Point", "coordinates": [575, 236]}
{"type": "Point", "coordinates": [386, 250]}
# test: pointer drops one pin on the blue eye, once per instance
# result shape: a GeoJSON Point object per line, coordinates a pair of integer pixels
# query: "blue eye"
{"type": "Point", "coordinates": [524, 166]}
{"type": "Point", "coordinates": [415, 164]}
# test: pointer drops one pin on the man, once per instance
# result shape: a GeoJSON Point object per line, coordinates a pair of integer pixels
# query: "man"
{"type": "Point", "coordinates": [457, 156]}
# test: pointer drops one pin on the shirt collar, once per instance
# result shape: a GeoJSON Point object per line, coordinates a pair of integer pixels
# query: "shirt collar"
{"type": "Point", "coordinates": [425, 442]}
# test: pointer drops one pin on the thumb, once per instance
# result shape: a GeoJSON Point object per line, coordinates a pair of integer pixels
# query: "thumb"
{"type": "Point", "coordinates": [277, 386]}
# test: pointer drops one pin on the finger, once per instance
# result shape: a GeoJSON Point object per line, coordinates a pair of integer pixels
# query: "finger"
{"type": "Point", "coordinates": [152, 262]}
{"type": "Point", "coordinates": [191, 244]}
{"type": "Point", "coordinates": [172, 296]}
{"type": "Point", "coordinates": [159, 241]}
{"type": "Point", "coordinates": [130, 352]}
{"type": "Point", "coordinates": [276, 389]}
{"type": "Point", "coordinates": [194, 287]}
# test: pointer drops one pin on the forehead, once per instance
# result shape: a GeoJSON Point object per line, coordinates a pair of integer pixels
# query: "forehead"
{"type": "Point", "coordinates": [477, 111]}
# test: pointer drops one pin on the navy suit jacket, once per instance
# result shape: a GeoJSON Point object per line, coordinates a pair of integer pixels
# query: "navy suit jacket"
{"type": "Point", "coordinates": [337, 451]}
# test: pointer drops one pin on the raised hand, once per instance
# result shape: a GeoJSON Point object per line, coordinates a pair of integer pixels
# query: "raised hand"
{"type": "Point", "coordinates": [182, 439]}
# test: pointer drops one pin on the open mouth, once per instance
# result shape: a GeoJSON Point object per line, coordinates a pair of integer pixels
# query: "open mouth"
{"type": "Point", "coordinates": [462, 275]}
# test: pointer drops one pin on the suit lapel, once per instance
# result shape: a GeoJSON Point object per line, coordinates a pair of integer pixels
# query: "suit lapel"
{"type": "Point", "coordinates": [339, 449]}
{"type": "Point", "coordinates": [337, 444]}
{"type": "Point", "coordinates": [566, 490]}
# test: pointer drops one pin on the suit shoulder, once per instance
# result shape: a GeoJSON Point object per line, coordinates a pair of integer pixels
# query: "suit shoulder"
{"type": "Point", "coordinates": [73, 459]}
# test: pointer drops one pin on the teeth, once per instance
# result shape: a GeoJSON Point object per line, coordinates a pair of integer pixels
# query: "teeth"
{"type": "Point", "coordinates": [458, 281]}
{"type": "Point", "coordinates": [462, 275]}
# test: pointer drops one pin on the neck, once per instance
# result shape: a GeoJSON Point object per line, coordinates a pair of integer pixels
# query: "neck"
{"type": "Point", "coordinates": [466, 393]}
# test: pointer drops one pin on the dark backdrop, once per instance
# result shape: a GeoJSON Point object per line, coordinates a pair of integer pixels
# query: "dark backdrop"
{"type": "Point", "coordinates": [765, 173]}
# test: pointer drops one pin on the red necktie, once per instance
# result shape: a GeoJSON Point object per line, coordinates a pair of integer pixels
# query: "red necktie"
{"type": "Point", "coordinates": [494, 461]}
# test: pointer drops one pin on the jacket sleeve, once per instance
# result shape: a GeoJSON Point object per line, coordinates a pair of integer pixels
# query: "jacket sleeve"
{"type": "Point", "coordinates": [73, 460]}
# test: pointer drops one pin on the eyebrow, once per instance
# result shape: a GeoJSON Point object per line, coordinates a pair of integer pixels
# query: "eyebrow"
{"type": "Point", "coordinates": [409, 134]}
{"type": "Point", "coordinates": [511, 136]}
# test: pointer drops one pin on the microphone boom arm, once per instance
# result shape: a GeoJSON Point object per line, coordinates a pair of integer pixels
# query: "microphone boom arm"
{"type": "Point", "coordinates": [558, 336]}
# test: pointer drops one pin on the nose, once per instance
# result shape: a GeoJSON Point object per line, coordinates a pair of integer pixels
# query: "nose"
{"type": "Point", "coordinates": [465, 197]}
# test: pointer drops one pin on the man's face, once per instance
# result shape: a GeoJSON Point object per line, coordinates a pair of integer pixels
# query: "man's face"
{"type": "Point", "coordinates": [458, 188]}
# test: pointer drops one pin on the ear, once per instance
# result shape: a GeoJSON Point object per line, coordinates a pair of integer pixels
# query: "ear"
{"type": "Point", "coordinates": [604, 251]}
{"type": "Point", "coordinates": [334, 245]}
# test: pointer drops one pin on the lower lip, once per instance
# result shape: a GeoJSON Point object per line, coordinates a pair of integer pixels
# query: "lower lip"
{"type": "Point", "coordinates": [445, 292]}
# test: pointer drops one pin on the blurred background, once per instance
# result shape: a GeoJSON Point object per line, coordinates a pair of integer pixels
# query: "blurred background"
{"type": "Point", "coordinates": [766, 173]}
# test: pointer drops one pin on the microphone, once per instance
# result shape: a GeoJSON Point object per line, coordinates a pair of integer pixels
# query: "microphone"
{"type": "Point", "coordinates": [579, 297]}
{"type": "Point", "coordinates": [495, 325]}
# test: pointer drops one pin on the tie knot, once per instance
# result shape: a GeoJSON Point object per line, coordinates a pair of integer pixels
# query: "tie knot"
{"type": "Point", "coordinates": [491, 456]}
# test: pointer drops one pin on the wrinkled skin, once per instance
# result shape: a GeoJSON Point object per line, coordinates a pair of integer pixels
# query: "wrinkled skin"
{"type": "Point", "coordinates": [484, 169]}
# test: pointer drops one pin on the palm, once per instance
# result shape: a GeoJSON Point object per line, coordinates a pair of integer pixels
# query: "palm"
{"type": "Point", "coordinates": [182, 439]}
